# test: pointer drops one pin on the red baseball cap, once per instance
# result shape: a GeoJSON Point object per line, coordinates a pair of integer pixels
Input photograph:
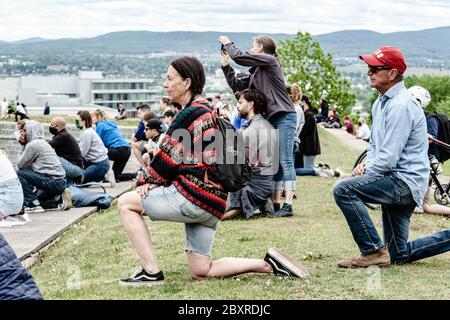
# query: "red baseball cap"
{"type": "Point", "coordinates": [386, 56]}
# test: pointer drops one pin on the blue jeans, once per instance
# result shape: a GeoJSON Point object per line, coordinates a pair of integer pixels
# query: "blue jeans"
{"type": "Point", "coordinates": [308, 161]}
{"type": "Point", "coordinates": [72, 171]}
{"type": "Point", "coordinates": [286, 123]}
{"type": "Point", "coordinates": [305, 172]}
{"type": "Point", "coordinates": [11, 197]}
{"type": "Point", "coordinates": [397, 207]}
{"type": "Point", "coordinates": [95, 171]}
{"type": "Point", "coordinates": [47, 188]}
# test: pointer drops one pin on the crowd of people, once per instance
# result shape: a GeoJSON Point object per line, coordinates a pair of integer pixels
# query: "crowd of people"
{"type": "Point", "coordinates": [278, 125]}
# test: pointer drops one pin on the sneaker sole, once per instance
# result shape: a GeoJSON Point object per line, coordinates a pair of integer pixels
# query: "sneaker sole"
{"type": "Point", "coordinates": [346, 266]}
{"type": "Point", "coordinates": [293, 266]}
{"type": "Point", "coordinates": [141, 284]}
{"type": "Point", "coordinates": [68, 199]}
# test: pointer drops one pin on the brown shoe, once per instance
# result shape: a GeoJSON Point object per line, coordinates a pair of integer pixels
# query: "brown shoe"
{"type": "Point", "coordinates": [380, 258]}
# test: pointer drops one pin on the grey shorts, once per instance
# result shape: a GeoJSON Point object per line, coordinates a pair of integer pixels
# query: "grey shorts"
{"type": "Point", "coordinates": [168, 204]}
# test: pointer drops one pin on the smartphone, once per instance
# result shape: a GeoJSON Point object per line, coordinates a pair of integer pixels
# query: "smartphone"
{"type": "Point", "coordinates": [222, 47]}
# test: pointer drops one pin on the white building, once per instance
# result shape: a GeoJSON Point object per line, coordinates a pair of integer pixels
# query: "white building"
{"type": "Point", "coordinates": [89, 88]}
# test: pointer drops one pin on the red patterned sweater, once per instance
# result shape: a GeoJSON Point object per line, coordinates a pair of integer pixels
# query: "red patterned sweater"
{"type": "Point", "coordinates": [195, 181]}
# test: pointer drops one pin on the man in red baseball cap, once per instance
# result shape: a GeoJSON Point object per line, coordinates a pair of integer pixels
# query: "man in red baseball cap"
{"type": "Point", "coordinates": [395, 174]}
{"type": "Point", "coordinates": [390, 57]}
{"type": "Point", "coordinates": [386, 67]}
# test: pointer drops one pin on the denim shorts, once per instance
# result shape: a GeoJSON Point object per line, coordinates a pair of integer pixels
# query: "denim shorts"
{"type": "Point", "coordinates": [168, 204]}
{"type": "Point", "coordinates": [11, 197]}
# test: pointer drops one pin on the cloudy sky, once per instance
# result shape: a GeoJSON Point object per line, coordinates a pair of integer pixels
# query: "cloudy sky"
{"type": "Point", "coordinates": [86, 18]}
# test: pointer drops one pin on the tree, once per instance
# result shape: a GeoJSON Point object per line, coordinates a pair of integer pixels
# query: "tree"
{"type": "Point", "coordinates": [304, 62]}
{"type": "Point", "coordinates": [439, 88]}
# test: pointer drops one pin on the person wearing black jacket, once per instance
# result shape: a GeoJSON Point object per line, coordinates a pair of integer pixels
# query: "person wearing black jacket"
{"type": "Point", "coordinates": [309, 137]}
{"type": "Point", "coordinates": [67, 149]}
{"type": "Point", "coordinates": [266, 76]}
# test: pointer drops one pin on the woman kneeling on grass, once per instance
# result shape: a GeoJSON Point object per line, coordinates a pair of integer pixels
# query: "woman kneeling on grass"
{"type": "Point", "coordinates": [182, 192]}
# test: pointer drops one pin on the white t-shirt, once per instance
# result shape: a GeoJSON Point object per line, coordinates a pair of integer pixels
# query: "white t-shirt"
{"type": "Point", "coordinates": [300, 120]}
{"type": "Point", "coordinates": [7, 172]}
{"type": "Point", "coordinates": [364, 132]}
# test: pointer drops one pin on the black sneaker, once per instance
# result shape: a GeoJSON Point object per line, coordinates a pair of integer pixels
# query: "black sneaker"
{"type": "Point", "coordinates": [142, 278]}
{"type": "Point", "coordinates": [276, 206]}
{"type": "Point", "coordinates": [286, 211]}
{"type": "Point", "coordinates": [284, 265]}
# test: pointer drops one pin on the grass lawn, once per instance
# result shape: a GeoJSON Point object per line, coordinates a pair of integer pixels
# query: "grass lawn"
{"type": "Point", "coordinates": [88, 260]}
{"type": "Point", "coordinates": [132, 122]}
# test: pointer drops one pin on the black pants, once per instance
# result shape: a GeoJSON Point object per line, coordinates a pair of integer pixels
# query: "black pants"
{"type": "Point", "coordinates": [120, 157]}
{"type": "Point", "coordinates": [21, 115]}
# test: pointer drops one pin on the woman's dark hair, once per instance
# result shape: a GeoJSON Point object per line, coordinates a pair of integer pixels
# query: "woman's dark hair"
{"type": "Point", "coordinates": [192, 68]}
{"type": "Point", "coordinates": [86, 117]}
{"type": "Point", "coordinates": [165, 100]}
{"type": "Point", "coordinates": [306, 100]}
{"type": "Point", "coordinates": [268, 45]}
{"type": "Point", "coordinates": [257, 97]}
{"type": "Point", "coordinates": [176, 105]}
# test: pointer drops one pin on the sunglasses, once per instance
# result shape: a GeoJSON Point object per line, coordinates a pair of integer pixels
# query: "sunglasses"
{"type": "Point", "coordinates": [375, 70]}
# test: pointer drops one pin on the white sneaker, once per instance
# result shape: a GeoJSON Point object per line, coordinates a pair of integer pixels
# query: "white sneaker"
{"type": "Point", "coordinates": [66, 202]}
{"type": "Point", "coordinates": [325, 173]}
{"type": "Point", "coordinates": [15, 221]}
{"type": "Point", "coordinates": [111, 178]}
{"type": "Point", "coordinates": [36, 209]}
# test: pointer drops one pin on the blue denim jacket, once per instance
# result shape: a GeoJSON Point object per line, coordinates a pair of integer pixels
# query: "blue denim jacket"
{"type": "Point", "coordinates": [398, 142]}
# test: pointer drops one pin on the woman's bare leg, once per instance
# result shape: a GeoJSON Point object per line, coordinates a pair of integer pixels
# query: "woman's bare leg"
{"type": "Point", "coordinates": [202, 267]}
{"type": "Point", "coordinates": [130, 210]}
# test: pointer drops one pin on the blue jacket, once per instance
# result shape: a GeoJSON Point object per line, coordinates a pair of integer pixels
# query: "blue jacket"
{"type": "Point", "coordinates": [110, 135]}
{"type": "Point", "coordinates": [16, 283]}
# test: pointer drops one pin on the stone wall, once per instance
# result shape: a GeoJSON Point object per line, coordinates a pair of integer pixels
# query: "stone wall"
{"type": "Point", "coordinates": [9, 144]}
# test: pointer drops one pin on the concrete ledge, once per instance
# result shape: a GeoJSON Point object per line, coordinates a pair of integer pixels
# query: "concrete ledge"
{"type": "Point", "coordinates": [30, 240]}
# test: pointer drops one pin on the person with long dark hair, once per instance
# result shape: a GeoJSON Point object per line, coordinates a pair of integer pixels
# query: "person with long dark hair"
{"type": "Point", "coordinates": [175, 189]}
{"type": "Point", "coordinates": [266, 76]}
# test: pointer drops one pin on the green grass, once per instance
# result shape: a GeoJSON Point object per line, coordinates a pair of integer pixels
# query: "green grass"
{"type": "Point", "coordinates": [132, 122]}
{"type": "Point", "coordinates": [98, 252]}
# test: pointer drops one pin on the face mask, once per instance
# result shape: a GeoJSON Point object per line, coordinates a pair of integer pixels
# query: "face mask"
{"type": "Point", "coordinates": [77, 124]}
{"type": "Point", "coordinates": [53, 130]}
{"type": "Point", "coordinates": [17, 135]}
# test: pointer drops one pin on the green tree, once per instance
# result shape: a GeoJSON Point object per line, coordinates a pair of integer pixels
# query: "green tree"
{"type": "Point", "coordinates": [439, 88]}
{"type": "Point", "coordinates": [304, 62]}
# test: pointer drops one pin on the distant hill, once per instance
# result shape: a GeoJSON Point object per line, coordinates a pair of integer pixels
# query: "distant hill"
{"type": "Point", "coordinates": [424, 44]}
{"type": "Point", "coordinates": [430, 43]}
{"type": "Point", "coordinates": [30, 40]}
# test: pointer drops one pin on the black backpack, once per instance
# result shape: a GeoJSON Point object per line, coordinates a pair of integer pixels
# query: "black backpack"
{"type": "Point", "coordinates": [232, 175]}
{"type": "Point", "coordinates": [443, 134]}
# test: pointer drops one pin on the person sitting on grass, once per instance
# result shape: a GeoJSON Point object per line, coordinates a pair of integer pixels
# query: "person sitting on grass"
{"type": "Point", "coordinates": [176, 188]}
{"type": "Point", "coordinates": [139, 140]}
{"type": "Point", "coordinates": [261, 142]}
{"type": "Point", "coordinates": [67, 149]}
{"type": "Point", "coordinates": [118, 149]}
{"type": "Point", "coordinates": [94, 152]}
{"type": "Point", "coordinates": [423, 97]}
{"type": "Point", "coordinates": [154, 131]}
{"type": "Point", "coordinates": [41, 174]}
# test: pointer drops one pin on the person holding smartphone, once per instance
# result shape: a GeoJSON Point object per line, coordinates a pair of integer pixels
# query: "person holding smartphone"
{"type": "Point", "coordinates": [266, 76]}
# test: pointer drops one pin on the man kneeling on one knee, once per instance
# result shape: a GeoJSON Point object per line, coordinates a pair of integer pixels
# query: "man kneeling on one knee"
{"type": "Point", "coordinates": [395, 174]}
{"type": "Point", "coordinates": [261, 144]}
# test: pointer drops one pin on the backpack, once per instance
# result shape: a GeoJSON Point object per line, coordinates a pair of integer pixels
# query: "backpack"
{"type": "Point", "coordinates": [235, 175]}
{"type": "Point", "coordinates": [443, 134]}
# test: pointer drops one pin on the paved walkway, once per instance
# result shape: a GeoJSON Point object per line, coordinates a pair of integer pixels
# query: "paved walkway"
{"type": "Point", "coordinates": [348, 139]}
{"type": "Point", "coordinates": [34, 237]}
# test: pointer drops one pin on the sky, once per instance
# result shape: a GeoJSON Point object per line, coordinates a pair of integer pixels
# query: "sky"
{"type": "Point", "coordinates": [54, 19]}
